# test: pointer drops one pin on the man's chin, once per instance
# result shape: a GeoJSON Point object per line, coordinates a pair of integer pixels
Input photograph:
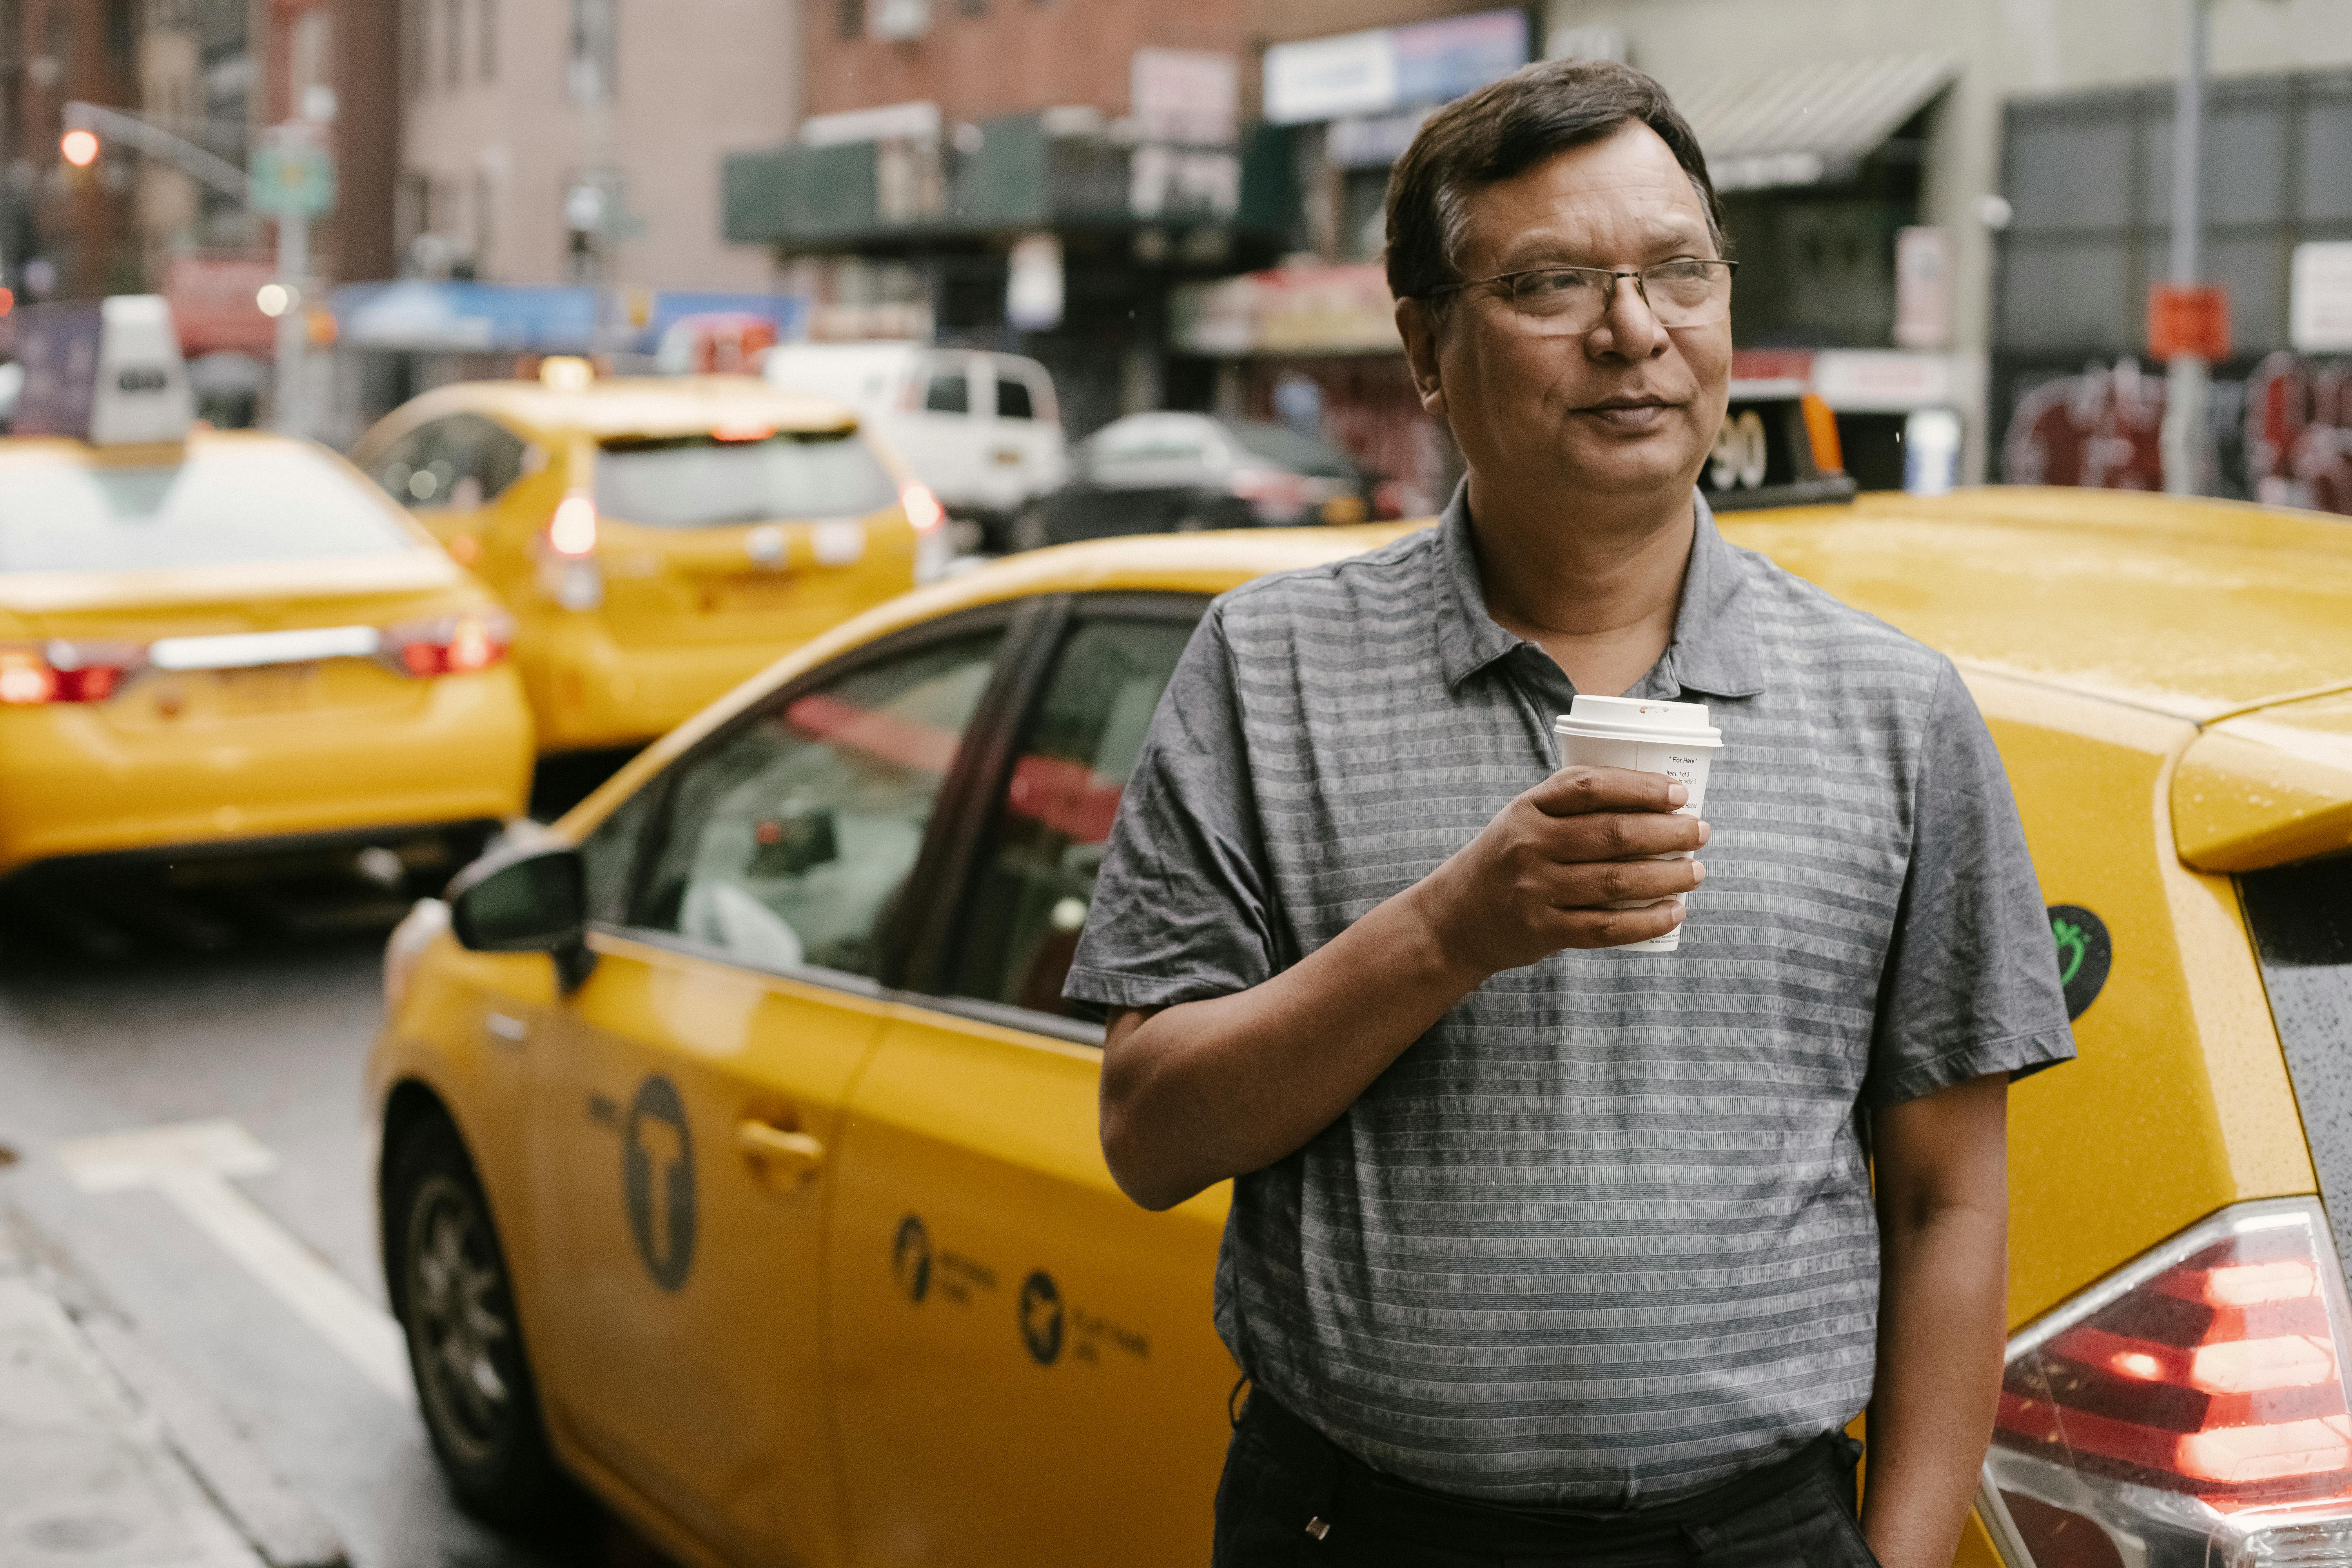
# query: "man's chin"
{"type": "Point", "coordinates": [1663, 461]}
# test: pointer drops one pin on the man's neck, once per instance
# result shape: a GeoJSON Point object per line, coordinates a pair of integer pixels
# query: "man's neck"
{"type": "Point", "coordinates": [1597, 588]}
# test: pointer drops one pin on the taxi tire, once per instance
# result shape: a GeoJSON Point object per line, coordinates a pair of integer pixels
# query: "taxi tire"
{"type": "Point", "coordinates": [501, 1470]}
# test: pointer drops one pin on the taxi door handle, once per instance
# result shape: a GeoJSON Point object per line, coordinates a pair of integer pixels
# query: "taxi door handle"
{"type": "Point", "coordinates": [793, 1155]}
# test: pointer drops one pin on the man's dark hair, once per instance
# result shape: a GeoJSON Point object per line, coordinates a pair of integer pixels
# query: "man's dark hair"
{"type": "Point", "coordinates": [1506, 129]}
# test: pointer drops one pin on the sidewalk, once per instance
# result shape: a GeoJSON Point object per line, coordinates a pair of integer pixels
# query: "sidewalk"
{"type": "Point", "coordinates": [90, 1474]}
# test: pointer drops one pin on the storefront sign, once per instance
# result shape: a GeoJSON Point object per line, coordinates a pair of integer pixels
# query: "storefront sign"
{"type": "Point", "coordinates": [212, 299]}
{"type": "Point", "coordinates": [2319, 309]}
{"type": "Point", "coordinates": [1289, 310]}
{"type": "Point", "coordinates": [1392, 67]}
{"type": "Point", "coordinates": [1185, 96]}
{"type": "Point", "coordinates": [1881, 381]}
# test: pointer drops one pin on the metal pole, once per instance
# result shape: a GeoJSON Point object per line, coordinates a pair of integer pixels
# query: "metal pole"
{"type": "Point", "coordinates": [2185, 437]}
{"type": "Point", "coordinates": [293, 326]}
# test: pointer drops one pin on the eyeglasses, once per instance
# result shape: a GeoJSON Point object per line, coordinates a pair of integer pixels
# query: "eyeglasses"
{"type": "Point", "coordinates": [1684, 292]}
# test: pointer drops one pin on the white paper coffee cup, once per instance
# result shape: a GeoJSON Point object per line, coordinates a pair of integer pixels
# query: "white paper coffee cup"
{"type": "Point", "coordinates": [1654, 737]}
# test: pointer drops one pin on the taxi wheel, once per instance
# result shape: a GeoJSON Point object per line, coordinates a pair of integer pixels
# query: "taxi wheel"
{"type": "Point", "coordinates": [465, 1346]}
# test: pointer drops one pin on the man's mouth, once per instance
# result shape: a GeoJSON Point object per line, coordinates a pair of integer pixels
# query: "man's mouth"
{"type": "Point", "coordinates": [1629, 413]}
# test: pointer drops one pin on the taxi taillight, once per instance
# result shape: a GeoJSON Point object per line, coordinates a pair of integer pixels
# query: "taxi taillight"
{"type": "Point", "coordinates": [31, 677]}
{"type": "Point", "coordinates": [2193, 1408]}
{"type": "Point", "coordinates": [450, 645]}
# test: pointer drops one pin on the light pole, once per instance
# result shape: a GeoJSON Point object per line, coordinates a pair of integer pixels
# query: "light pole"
{"type": "Point", "coordinates": [2184, 437]}
{"type": "Point", "coordinates": [299, 183]}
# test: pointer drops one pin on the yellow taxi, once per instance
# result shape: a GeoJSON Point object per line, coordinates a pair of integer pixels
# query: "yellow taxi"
{"type": "Point", "coordinates": [657, 539]}
{"type": "Point", "coordinates": [741, 1160]}
{"type": "Point", "coordinates": [228, 643]}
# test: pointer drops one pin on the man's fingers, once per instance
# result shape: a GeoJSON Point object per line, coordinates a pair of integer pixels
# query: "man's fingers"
{"type": "Point", "coordinates": [1615, 928]}
{"type": "Point", "coordinates": [1572, 792]}
{"type": "Point", "coordinates": [1617, 836]}
{"type": "Point", "coordinates": [1598, 883]}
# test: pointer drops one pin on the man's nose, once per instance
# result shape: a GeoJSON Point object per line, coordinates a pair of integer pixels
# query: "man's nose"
{"type": "Point", "coordinates": [1627, 327]}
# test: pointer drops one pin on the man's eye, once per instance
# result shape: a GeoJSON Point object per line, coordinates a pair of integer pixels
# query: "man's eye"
{"type": "Point", "coordinates": [1554, 285]}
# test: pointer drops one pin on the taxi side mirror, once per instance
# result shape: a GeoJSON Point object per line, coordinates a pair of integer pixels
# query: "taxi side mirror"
{"type": "Point", "coordinates": [525, 900]}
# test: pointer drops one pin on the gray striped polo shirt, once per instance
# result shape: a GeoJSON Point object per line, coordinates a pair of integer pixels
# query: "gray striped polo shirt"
{"type": "Point", "coordinates": [1604, 1235]}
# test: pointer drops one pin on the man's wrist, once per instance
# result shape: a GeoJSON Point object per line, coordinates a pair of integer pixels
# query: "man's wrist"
{"type": "Point", "coordinates": [1431, 945]}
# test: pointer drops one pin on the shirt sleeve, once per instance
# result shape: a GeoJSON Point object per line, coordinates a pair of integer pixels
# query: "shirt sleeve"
{"type": "Point", "coordinates": [1181, 910]}
{"type": "Point", "coordinates": [1971, 984]}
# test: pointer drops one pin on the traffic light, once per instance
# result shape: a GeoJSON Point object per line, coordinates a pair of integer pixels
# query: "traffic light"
{"type": "Point", "coordinates": [79, 148]}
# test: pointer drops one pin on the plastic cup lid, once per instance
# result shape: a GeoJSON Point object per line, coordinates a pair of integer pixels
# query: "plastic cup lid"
{"type": "Point", "coordinates": [1639, 717]}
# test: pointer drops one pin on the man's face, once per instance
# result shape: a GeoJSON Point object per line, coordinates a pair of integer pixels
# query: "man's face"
{"type": "Point", "coordinates": [1626, 407]}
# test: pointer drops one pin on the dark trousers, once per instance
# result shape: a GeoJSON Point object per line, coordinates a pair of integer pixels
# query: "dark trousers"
{"type": "Point", "coordinates": [1290, 1498]}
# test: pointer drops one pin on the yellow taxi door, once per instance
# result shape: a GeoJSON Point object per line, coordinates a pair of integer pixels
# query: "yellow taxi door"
{"type": "Point", "coordinates": [1027, 1370]}
{"type": "Point", "coordinates": [688, 1098]}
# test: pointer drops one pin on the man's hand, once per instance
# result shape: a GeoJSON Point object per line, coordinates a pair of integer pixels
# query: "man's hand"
{"type": "Point", "coordinates": [1546, 871]}
{"type": "Point", "coordinates": [1198, 1092]}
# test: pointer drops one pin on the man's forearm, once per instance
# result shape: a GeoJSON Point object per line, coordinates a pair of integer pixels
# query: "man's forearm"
{"type": "Point", "coordinates": [1234, 1083]}
{"type": "Point", "coordinates": [1942, 1304]}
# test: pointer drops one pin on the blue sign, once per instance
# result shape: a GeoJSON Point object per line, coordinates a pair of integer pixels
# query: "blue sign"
{"type": "Point", "coordinates": [424, 317]}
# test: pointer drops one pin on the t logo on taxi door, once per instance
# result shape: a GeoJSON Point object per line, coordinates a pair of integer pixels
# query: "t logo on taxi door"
{"type": "Point", "coordinates": [657, 1179]}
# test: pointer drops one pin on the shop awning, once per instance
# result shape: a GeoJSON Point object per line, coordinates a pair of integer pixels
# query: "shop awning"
{"type": "Point", "coordinates": [1802, 125]}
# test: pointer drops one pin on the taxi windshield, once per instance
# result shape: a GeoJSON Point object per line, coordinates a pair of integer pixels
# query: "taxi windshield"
{"type": "Point", "coordinates": [226, 506]}
{"type": "Point", "coordinates": [706, 481]}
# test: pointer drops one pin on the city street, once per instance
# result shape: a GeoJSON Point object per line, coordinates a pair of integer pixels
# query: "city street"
{"type": "Point", "coordinates": [191, 1307]}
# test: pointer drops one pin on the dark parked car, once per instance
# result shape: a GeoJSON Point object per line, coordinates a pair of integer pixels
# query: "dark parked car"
{"type": "Point", "coordinates": [1178, 473]}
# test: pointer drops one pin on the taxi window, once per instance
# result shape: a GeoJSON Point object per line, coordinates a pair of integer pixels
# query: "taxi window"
{"type": "Point", "coordinates": [227, 506]}
{"type": "Point", "coordinates": [461, 462]}
{"type": "Point", "coordinates": [787, 843]}
{"type": "Point", "coordinates": [1037, 872]}
{"type": "Point", "coordinates": [701, 481]}
{"type": "Point", "coordinates": [2301, 917]}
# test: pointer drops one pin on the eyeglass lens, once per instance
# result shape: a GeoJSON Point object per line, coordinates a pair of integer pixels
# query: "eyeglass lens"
{"type": "Point", "coordinates": [1574, 298]}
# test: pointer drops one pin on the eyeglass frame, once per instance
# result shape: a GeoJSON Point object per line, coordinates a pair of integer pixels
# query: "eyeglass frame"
{"type": "Point", "coordinates": [1614, 274]}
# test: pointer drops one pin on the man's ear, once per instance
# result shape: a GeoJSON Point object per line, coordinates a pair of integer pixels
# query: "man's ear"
{"type": "Point", "coordinates": [1418, 329]}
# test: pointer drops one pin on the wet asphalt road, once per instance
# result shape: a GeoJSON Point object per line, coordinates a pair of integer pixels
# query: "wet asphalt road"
{"type": "Point", "coordinates": [124, 1008]}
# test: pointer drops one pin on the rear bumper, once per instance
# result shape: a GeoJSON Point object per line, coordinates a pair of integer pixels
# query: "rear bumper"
{"type": "Point", "coordinates": [587, 690]}
{"type": "Point", "coordinates": [73, 786]}
{"type": "Point", "coordinates": [451, 845]}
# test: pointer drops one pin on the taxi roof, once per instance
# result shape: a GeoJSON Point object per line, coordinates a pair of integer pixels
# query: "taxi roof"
{"type": "Point", "coordinates": [623, 405]}
{"type": "Point", "coordinates": [2199, 611]}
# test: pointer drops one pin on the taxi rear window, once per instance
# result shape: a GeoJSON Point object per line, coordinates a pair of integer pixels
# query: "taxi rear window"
{"type": "Point", "coordinates": [705, 481]}
{"type": "Point", "coordinates": [2301, 917]}
{"type": "Point", "coordinates": [229, 506]}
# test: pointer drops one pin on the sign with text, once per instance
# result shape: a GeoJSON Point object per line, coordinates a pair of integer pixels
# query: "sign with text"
{"type": "Point", "coordinates": [2319, 297]}
{"type": "Point", "coordinates": [292, 172]}
{"type": "Point", "coordinates": [1392, 67]}
{"type": "Point", "coordinates": [2191, 320]}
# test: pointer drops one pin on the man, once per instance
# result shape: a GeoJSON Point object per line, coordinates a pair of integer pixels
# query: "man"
{"type": "Point", "coordinates": [1541, 1252]}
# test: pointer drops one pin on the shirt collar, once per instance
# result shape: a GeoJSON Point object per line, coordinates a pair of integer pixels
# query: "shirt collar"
{"type": "Point", "coordinates": [1714, 648]}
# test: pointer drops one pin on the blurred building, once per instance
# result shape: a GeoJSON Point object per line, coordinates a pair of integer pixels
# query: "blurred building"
{"type": "Point", "coordinates": [1342, 86]}
{"type": "Point", "coordinates": [1935, 204]}
{"type": "Point", "coordinates": [1015, 175]}
{"type": "Point", "coordinates": [66, 231]}
{"type": "Point", "coordinates": [577, 141]}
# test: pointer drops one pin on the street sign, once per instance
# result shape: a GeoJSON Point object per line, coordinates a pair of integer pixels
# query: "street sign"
{"type": "Point", "coordinates": [292, 172]}
{"type": "Point", "coordinates": [2319, 299]}
{"type": "Point", "coordinates": [2191, 320]}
